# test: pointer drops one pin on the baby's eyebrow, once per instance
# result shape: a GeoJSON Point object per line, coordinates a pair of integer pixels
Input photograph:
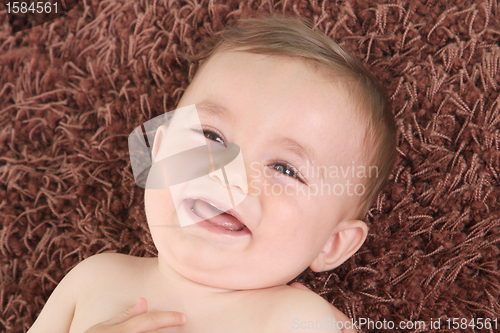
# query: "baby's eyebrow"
{"type": "Point", "coordinates": [294, 147]}
{"type": "Point", "coordinates": [212, 109]}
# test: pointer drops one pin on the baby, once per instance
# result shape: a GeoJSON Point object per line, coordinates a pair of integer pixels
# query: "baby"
{"type": "Point", "coordinates": [312, 126]}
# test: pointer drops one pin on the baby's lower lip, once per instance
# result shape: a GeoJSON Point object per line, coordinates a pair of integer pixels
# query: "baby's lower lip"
{"type": "Point", "coordinates": [215, 229]}
{"type": "Point", "coordinates": [205, 224]}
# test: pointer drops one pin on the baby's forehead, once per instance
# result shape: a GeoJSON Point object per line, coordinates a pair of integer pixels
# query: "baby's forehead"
{"type": "Point", "coordinates": [318, 74]}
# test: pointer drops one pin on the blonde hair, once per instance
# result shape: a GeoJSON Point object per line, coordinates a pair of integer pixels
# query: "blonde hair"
{"type": "Point", "coordinates": [291, 37]}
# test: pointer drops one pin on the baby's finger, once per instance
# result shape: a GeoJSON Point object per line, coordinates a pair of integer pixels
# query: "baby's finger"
{"type": "Point", "coordinates": [141, 306]}
{"type": "Point", "coordinates": [152, 321]}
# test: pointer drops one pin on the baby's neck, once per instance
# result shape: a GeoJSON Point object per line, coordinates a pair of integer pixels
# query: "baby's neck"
{"type": "Point", "coordinates": [165, 285]}
{"type": "Point", "coordinates": [166, 279]}
{"type": "Point", "coordinates": [162, 282]}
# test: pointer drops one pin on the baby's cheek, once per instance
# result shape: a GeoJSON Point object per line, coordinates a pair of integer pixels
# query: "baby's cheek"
{"type": "Point", "coordinates": [158, 206]}
{"type": "Point", "coordinates": [283, 212]}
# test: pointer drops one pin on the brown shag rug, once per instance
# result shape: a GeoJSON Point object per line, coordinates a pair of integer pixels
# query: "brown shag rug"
{"type": "Point", "coordinates": [73, 89]}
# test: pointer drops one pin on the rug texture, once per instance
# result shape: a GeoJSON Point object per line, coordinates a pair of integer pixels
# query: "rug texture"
{"type": "Point", "coordinates": [73, 89]}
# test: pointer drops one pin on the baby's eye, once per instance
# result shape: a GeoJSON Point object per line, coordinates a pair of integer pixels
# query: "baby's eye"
{"type": "Point", "coordinates": [287, 170]}
{"type": "Point", "coordinates": [284, 169]}
{"type": "Point", "coordinates": [213, 136]}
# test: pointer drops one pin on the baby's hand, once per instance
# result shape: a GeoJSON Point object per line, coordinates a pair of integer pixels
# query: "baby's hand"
{"type": "Point", "coordinates": [137, 319]}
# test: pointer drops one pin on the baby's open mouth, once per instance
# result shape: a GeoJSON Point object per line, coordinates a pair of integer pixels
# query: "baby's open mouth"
{"type": "Point", "coordinates": [215, 216]}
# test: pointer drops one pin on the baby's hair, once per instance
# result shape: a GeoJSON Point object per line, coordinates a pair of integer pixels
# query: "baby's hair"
{"type": "Point", "coordinates": [286, 36]}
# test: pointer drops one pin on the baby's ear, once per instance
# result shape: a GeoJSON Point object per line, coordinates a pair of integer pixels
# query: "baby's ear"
{"type": "Point", "coordinates": [157, 141]}
{"type": "Point", "coordinates": [342, 244]}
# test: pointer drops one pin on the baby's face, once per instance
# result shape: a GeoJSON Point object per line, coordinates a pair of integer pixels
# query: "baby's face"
{"type": "Point", "coordinates": [285, 117]}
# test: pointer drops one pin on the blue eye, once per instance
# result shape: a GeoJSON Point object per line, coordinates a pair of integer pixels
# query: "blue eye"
{"type": "Point", "coordinates": [287, 170]}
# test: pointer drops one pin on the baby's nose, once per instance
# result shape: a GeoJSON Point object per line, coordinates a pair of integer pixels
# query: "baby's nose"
{"type": "Point", "coordinates": [232, 175]}
{"type": "Point", "coordinates": [231, 172]}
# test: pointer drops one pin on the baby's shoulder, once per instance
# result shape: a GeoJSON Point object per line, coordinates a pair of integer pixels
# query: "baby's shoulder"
{"type": "Point", "coordinates": [108, 261]}
{"type": "Point", "coordinates": [99, 272]}
{"type": "Point", "coordinates": [293, 309]}
{"type": "Point", "coordinates": [96, 271]}
{"type": "Point", "coordinates": [107, 266]}
{"type": "Point", "coordinates": [101, 265]}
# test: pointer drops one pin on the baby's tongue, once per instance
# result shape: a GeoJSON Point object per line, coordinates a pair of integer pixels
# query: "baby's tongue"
{"type": "Point", "coordinates": [216, 217]}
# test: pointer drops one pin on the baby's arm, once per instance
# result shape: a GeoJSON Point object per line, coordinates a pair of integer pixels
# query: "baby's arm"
{"type": "Point", "coordinates": [297, 310]}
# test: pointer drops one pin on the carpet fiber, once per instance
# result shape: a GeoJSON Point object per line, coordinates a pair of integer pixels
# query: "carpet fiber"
{"type": "Point", "coordinates": [73, 89]}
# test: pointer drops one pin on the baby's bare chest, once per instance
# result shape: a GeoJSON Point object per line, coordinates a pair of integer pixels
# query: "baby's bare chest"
{"type": "Point", "coordinates": [235, 313]}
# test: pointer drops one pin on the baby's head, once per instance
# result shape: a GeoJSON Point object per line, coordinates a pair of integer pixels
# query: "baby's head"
{"type": "Point", "coordinates": [318, 141]}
